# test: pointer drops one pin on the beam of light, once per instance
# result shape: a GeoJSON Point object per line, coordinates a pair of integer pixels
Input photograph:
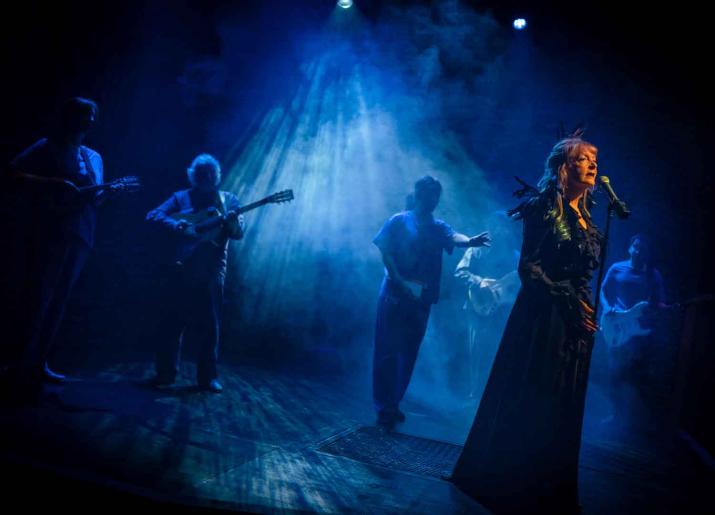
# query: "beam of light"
{"type": "Point", "coordinates": [350, 163]}
{"type": "Point", "coordinates": [519, 24]}
{"type": "Point", "coordinates": [350, 140]}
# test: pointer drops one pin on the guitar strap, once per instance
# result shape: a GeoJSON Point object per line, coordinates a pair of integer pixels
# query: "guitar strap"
{"type": "Point", "coordinates": [88, 165]}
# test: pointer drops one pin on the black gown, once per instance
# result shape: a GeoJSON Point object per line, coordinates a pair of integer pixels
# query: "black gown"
{"type": "Point", "coordinates": [521, 454]}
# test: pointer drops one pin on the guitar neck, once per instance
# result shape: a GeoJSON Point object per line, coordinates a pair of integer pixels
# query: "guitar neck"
{"type": "Point", "coordinates": [41, 179]}
{"type": "Point", "coordinates": [253, 205]}
{"type": "Point", "coordinates": [217, 221]}
{"type": "Point", "coordinates": [96, 187]}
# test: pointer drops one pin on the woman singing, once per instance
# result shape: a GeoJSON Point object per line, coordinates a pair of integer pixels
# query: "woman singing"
{"type": "Point", "coordinates": [521, 454]}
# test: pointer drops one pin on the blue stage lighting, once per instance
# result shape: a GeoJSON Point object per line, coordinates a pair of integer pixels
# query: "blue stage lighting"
{"type": "Point", "coordinates": [519, 23]}
{"type": "Point", "coordinates": [345, 4]}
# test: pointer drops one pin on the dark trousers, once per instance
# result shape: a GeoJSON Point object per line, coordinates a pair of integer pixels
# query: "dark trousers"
{"type": "Point", "coordinates": [54, 267]}
{"type": "Point", "coordinates": [400, 328]}
{"type": "Point", "coordinates": [629, 380]}
{"type": "Point", "coordinates": [191, 310]}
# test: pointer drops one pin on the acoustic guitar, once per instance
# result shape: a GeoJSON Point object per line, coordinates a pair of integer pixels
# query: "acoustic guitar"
{"type": "Point", "coordinates": [211, 226]}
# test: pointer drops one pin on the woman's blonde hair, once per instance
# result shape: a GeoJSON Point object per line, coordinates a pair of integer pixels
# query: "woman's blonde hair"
{"type": "Point", "coordinates": [556, 175]}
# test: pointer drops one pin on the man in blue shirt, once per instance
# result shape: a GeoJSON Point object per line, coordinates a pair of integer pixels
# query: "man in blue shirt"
{"type": "Point", "coordinates": [411, 243]}
{"type": "Point", "coordinates": [626, 284]}
{"type": "Point", "coordinates": [632, 281]}
{"type": "Point", "coordinates": [59, 240]}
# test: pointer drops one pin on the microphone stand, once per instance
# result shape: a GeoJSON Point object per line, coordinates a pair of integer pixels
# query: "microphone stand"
{"type": "Point", "coordinates": [602, 263]}
{"type": "Point", "coordinates": [619, 207]}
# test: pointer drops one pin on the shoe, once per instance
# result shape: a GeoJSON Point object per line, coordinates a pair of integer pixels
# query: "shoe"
{"type": "Point", "coordinates": [213, 386]}
{"type": "Point", "coordinates": [49, 376]}
{"type": "Point", "coordinates": [391, 415]}
{"type": "Point", "coordinates": [386, 419]}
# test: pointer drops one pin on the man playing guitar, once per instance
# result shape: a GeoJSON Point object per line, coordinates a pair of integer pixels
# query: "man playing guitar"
{"type": "Point", "coordinates": [631, 296]}
{"type": "Point", "coordinates": [195, 296]}
{"type": "Point", "coordinates": [58, 242]}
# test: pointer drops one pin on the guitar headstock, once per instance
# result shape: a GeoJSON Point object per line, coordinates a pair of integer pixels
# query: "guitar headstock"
{"type": "Point", "coordinates": [281, 196]}
{"type": "Point", "coordinates": [128, 183]}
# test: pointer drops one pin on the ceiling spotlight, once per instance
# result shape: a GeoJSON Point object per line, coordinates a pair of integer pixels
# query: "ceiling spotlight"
{"type": "Point", "coordinates": [345, 4]}
{"type": "Point", "coordinates": [519, 23]}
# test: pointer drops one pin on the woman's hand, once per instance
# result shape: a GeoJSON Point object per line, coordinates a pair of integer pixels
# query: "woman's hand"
{"type": "Point", "coordinates": [576, 312]}
{"type": "Point", "coordinates": [587, 321]}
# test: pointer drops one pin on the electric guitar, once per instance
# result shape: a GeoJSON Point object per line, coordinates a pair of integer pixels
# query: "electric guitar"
{"type": "Point", "coordinates": [618, 327]}
{"type": "Point", "coordinates": [211, 226]}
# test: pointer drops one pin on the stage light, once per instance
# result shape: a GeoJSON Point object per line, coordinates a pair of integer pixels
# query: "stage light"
{"type": "Point", "coordinates": [519, 23]}
{"type": "Point", "coordinates": [345, 4]}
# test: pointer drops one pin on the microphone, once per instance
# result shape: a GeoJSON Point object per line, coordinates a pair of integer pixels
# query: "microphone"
{"type": "Point", "coordinates": [618, 205]}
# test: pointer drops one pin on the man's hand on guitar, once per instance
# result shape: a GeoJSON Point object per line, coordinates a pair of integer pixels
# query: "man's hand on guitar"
{"type": "Point", "coordinates": [115, 189]}
{"type": "Point", "coordinates": [187, 229]}
{"type": "Point", "coordinates": [234, 224]}
{"type": "Point", "coordinates": [63, 194]}
{"type": "Point", "coordinates": [68, 187]}
{"type": "Point", "coordinates": [480, 240]}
